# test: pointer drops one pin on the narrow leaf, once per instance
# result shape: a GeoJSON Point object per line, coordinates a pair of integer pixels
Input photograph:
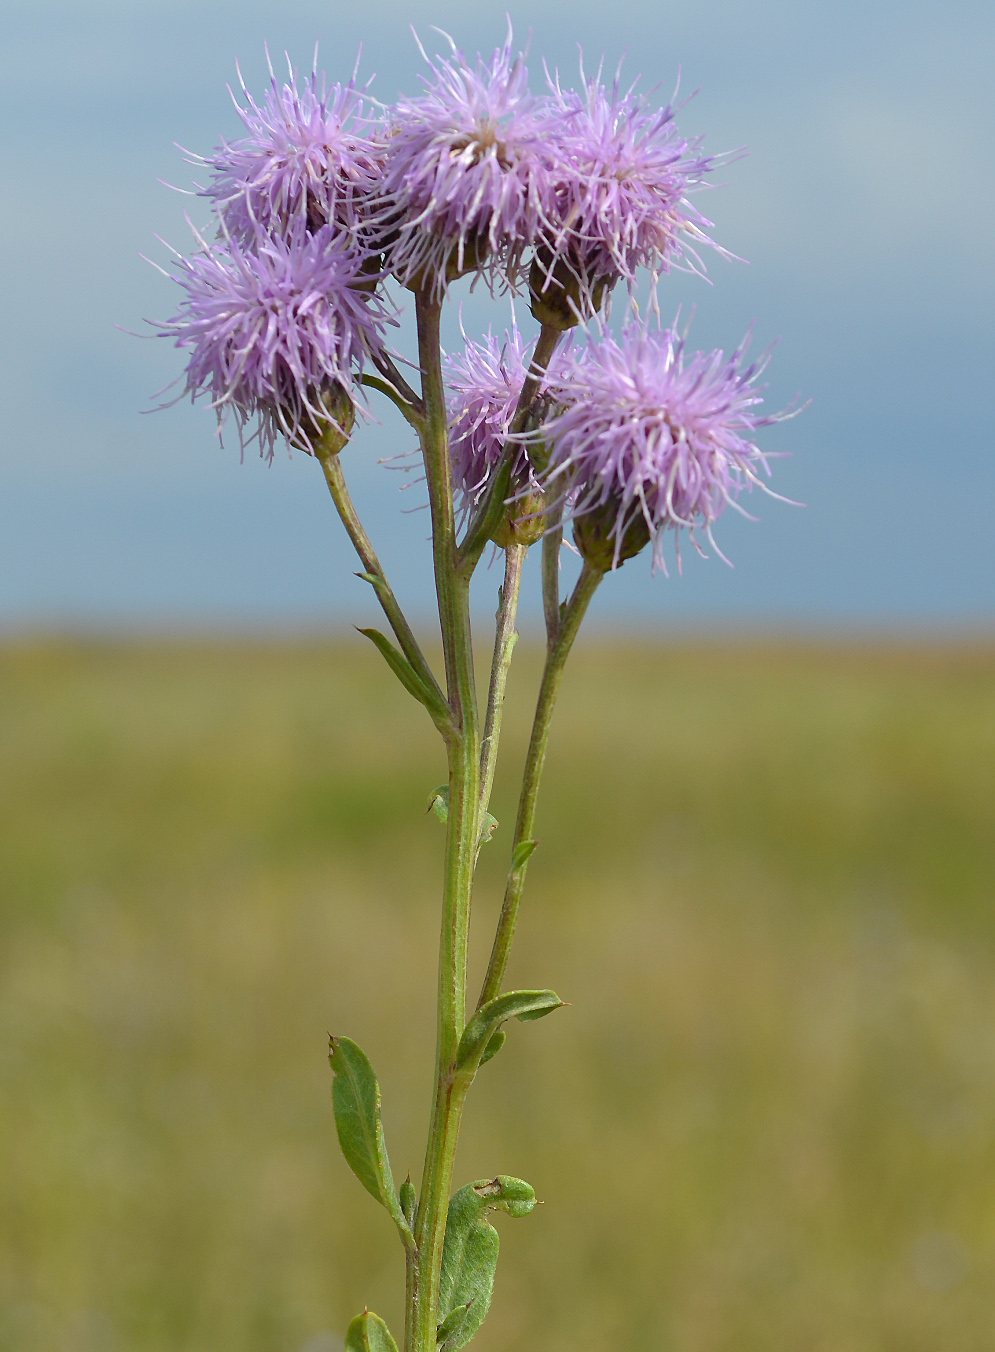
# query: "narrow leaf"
{"type": "Point", "coordinates": [371, 578]}
{"type": "Point", "coordinates": [528, 1015]}
{"type": "Point", "coordinates": [449, 1330]}
{"type": "Point", "coordinates": [522, 852]}
{"type": "Point", "coordinates": [488, 1019]}
{"type": "Point", "coordinates": [438, 803]}
{"type": "Point", "coordinates": [356, 1100]}
{"type": "Point", "coordinates": [470, 1254]}
{"type": "Point", "coordinates": [368, 1333]}
{"type": "Point", "coordinates": [494, 1044]}
{"type": "Point", "coordinates": [402, 669]}
{"type": "Point", "coordinates": [409, 1202]}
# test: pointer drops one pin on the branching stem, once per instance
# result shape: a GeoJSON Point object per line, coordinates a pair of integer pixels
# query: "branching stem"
{"type": "Point", "coordinates": [374, 573]}
{"type": "Point", "coordinates": [556, 657]}
{"type": "Point", "coordinates": [461, 836]}
{"type": "Point", "coordinates": [388, 369]}
{"type": "Point", "coordinates": [472, 759]}
{"type": "Point", "coordinates": [408, 411]}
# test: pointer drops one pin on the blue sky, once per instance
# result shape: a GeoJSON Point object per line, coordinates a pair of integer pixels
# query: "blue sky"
{"type": "Point", "coordinates": [865, 208]}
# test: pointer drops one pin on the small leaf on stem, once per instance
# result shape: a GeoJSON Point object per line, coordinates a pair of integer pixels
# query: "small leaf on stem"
{"type": "Point", "coordinates": [438, 803]}
{"type": "Point", "coordinates": [451, 1327]}
{"type": "Point", "coordinates": [494, 1045]}
{"type": "Point", "coordinates": [368, 1333]}
{"type": "Point", "coordinates": [408, 1199]}
{"type": "Point", "coordinates": [356, 1100]}
{"type": "Point", "coordinates": [522, 853]}
{"type": "Point", "coordinates": [404, 671]}
{"type": "Point", "coordinates": [489, 1018]}
{"type": "Point", "coordinates": [470, 1254]}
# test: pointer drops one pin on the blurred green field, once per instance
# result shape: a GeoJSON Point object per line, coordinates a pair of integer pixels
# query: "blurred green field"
{"type": "Point", "coordinates": [765, 884]}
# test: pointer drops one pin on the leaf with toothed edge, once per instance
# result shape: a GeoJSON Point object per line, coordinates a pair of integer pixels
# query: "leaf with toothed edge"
{"type": "Point", "coordinates": [368, 1333]}
{"type": "Point", "coordinates": [489, 1018]}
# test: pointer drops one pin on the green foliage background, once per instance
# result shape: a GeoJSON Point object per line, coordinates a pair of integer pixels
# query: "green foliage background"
{"type": "Point", "coordinates": [765, 885]}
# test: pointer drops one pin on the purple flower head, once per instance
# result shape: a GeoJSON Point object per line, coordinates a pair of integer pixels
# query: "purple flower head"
{"type": "Point", "coordinates": [309, 155]}
{"type": "Point", "coordinates": [484, 384]}
{"type": "Point", "coordinates": [276, 333]}
{"type": "Point", "coordinates": [462, 172]}
{"type": "Point", "coordinates": [647, 440]}
{"type": "Point", "coordinates": [618, 178]}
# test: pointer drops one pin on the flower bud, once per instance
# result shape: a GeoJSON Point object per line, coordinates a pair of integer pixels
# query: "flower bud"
{"type": "Point", "coordinates": [603, 541]}
{"type": "Point", "coordinates": [523, 523]}
{"type": "Point", "coordinates": [561, 296]}
{"type": "Point", "coordinates": [326, 435]}
{"type": "Point", "coordinates": [467, 256]}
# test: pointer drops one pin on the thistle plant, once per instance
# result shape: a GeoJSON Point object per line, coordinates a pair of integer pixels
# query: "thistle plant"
{"type": "Point", "coordinates": [324, 214]}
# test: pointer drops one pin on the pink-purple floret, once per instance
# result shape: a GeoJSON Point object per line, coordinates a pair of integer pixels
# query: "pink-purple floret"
{"type": "Point", "coordinates": [268, 329]}
{"type": "Point", "coordinates": [463, 177]}
{"type": "Point", "coordinates": [618, 179]}
{"type": "Point", "coordinates": [324, 199]}
{"type": "Point", "coordinates": [648, 432]}
{"type": "Point", "coordinates": [484, 382]}
{"type": "Point", "coordinates": [309, 155]}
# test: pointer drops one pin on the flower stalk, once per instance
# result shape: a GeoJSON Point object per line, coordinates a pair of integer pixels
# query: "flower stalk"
{"type": "Point", "coordinates": [374, 574]}
{"type": "Point", "coordinates": [505, 638]}
{"type": "Point", "coordinates": [573, 615]}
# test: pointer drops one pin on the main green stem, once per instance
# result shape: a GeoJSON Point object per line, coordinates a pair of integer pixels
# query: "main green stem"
{"type": "Point", "coordinates": [471, 771]}
{"type": "Point", "coordinates": [463, 745]}
{"type": "Point", "coordinates": [556, 658]}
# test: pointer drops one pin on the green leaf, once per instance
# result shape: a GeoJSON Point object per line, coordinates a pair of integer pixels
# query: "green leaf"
{"type": "Point", "coordinates": [488, 1019]}
{"type": "Point", "coordinates": [402, 669]}
{"type": "Point", "coordinates": [494, 1044]}
{"type": "Point", "coordinates": [451, 1327]}
{"type": "Point", "coordinates": [528, 1015]}
{"type": "Point", "coordinates": [409, 1201]}
{"type": "Point", "coordinates": [371, 578]}
{"type": "Point", "coordinates": [487, 827]}
{"type": "Point", "coordinates": [368, 1333]}
{"type": "Point", "coordinates": [470, 1254]}
{"type": "Point", "coordinates": [522, 853]}
{"type": "Point", "coordinates": [438, 803]}
{"type": "Point", "coordinates": [356, 1100]}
